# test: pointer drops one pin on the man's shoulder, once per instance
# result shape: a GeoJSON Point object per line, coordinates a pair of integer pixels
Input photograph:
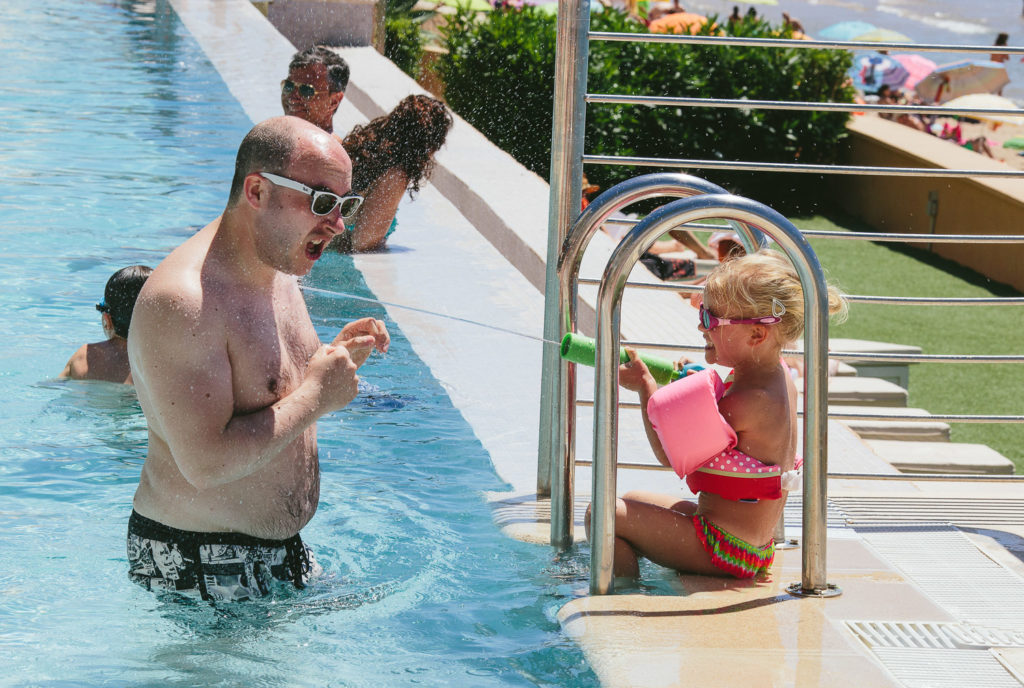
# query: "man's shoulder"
{"type": "Point", "coordinates": [172, 286]}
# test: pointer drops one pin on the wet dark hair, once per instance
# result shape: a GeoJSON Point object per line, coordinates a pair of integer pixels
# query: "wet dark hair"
{"type": "Point", "coordinates": [337, 68]}
{"type": "Point", "coordinates": [268, 147]}
{"type": "Point", "coordinates": [1002, 38]}
{"type": "Point", "coordinates": [406, 138]}
{"type": "Point", "coordinates": [120, 294]}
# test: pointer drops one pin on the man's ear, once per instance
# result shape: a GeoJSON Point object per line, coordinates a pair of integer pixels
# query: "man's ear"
{"type": "Point", "coordinates": [336, 99]}
{"type": "Point", "coordinates": [255, 190]}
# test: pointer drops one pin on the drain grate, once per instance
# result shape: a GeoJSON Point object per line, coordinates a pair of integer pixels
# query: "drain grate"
{"type": "Point", "coordinates": [939, 635]}
{"type": "Point", "coordinates": [937, 654]}
{"type": "Point", "coordinates": [953, 572]}
{"type": "Point", "coordinates": [966, 511]}
{"type": "Point", "coordinates": [928, 668]}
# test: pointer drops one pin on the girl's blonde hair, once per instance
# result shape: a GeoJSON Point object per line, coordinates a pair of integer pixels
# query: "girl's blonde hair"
{"type": "Point", "coordinates": [761, 284]}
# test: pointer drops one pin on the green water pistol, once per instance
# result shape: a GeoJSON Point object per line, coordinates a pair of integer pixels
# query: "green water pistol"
{"type": "Point", "coordinates": [581, 349]}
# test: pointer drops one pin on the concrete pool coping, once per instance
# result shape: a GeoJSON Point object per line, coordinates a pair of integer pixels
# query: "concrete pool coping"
{"type": "Point", "coordinates": [471, 247]}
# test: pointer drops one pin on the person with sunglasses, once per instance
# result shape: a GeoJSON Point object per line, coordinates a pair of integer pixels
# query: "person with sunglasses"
{"type": "Point", "coordinates": [232, 376]}
{"type": "Point", "coordinates": [752, 309]}
{"type": "Point", "coordinates": [108, 360]}
{"type": "Point", "coordinates": [315, 87]}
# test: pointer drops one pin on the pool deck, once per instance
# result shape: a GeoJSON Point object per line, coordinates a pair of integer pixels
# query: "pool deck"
{"type": "Point", "coordinates": [931, 572]}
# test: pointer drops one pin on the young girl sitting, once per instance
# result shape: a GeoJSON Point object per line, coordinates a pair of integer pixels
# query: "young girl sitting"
{"type": "Point", "coordinates": [390, 155]}
{"type": "Point", "coordinates": [753, 306]}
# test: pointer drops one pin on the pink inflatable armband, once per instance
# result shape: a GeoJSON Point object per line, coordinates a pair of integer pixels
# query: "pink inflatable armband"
{"type": "Point", "coordinates": [685, 416]}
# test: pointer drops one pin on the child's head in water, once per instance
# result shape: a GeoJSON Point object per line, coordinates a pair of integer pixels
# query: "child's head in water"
{"type": "Point", "coordinates": [119, 297]}
{"type": "Point", "coordinates": [759, 285]}
{"type": "Point", "coordinates": [108, 359]}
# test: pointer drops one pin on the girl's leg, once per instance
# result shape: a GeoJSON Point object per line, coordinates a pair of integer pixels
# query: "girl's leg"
{"type": "Point", "coordinates": [624, 561]}
{"type": "Point", "coordinates": [683, 506]}
{"type": "Point", "coordinates": [663, 534]}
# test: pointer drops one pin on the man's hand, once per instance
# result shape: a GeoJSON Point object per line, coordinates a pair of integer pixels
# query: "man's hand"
{"type": "Point", "coordinates": [333, 367]}
{"type": "Point", "coordinates": [353, 337]}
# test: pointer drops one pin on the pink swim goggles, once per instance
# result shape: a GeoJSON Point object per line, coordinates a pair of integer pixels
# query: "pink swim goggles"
{"type": "Point", "coordinates": [710, 322]}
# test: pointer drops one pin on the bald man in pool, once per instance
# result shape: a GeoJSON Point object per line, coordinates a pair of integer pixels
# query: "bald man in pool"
{"type": "Point", "coordinates": [232, 376]}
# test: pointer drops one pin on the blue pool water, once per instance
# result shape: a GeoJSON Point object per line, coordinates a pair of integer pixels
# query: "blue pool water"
{"type": "Point", "coordinates": [118, 142]}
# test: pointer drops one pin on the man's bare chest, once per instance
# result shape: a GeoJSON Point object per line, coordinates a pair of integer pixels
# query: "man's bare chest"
{"type": "Point", "coordinates": [269, 346]}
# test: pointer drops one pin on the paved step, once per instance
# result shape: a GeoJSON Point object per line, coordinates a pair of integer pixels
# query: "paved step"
{"type": "Point", "coordinates": [863, 391]}
{"type": "Point", "coordinates": [844, 369]}
{"type": "Point", "coordinates": [896, 429]}
{"type": "Point", "coordinates": [941, 457]}
{"type": "Point", "coordinates": [897, 373]}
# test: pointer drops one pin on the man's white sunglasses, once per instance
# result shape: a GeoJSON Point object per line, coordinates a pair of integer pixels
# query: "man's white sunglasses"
{"type": "Point", "coordinates": [322, 202]}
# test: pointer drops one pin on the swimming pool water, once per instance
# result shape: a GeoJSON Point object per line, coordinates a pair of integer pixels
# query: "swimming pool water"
{"type": "Point", "coordinates": [118, 142]}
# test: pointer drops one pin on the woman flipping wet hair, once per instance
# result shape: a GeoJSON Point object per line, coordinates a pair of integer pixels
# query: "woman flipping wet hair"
{"type": "Point", "coordinates": [390, 155]}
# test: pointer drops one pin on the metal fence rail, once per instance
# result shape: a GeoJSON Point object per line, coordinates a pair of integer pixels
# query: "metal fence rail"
{"type": "Point", "coordinates": [727, 41]}
{"type": "Point", "coordinates": [804, 168]}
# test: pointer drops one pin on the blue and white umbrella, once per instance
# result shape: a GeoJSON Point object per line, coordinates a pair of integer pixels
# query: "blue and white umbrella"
{"type": "Point", "coordinates": [845, 31]}
{"type": "Point", "coordinates": [873, 70]}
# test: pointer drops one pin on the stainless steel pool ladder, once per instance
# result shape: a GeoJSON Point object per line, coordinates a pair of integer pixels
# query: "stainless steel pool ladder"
{"type": "Point", "coordinates": [742, 213]}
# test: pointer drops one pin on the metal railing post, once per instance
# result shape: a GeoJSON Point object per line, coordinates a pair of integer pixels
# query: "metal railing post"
{"type": "Point", "coordinates": [566, 181]}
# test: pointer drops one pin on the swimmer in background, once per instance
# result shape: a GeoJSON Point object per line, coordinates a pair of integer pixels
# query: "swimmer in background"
{"type": "Point", "coordinates": [753, 308]}
{"type": "Point", "coordinates": [315, 86]}
{"type": "Point", "coordinates": [108, 360]}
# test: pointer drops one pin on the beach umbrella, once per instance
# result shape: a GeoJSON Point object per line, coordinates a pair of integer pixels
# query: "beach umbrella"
{"type": "Point", "coordinates": [882, 36]}
{"type": "Point", "coordinates": [872, 70]}
{"type": "Point", "coordinates": [961, 79]}
{"type": "Point", "coordinates": [474, 5]}
{"type": "Point", "coordinates": [678, 22]}
{"type": "Point", "coordinates": [845, 31]}
{"type": "Point", "coordinates": [988, 100]}
{"type": "Point", "coordinates": [918, 66]}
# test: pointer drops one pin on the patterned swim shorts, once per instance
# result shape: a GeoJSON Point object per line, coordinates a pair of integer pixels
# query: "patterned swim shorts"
{"type": "Point", "coordinates": [220, 566]}
{"type": "Point", "coordinates": [736, 557]}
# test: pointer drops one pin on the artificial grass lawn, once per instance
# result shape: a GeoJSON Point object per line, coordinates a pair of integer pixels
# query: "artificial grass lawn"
{"type": "Point", "coordinates": [867, 268]}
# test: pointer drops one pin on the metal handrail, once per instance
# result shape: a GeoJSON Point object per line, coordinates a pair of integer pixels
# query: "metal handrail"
{"type": "Point", "coordinates": [571, 50]}
{"type": "Point", "coordinates": [858, 355]}
{"type": "Point", "coordinates": [867, 236]}
{"type": "Point", "coordinates": [891, 300]}
{"type": "Point", "coordinates": [806, 168]}
{"type": "Point", "coordinates": [795, 43]}
{"type": "Point", "coordinates": [977, 477]}
{"type": "Point", "coordinates": [840, 415]}
{"type": "Point", "coordinates": [815, 446]}
{"type": "Point", "coordinates": [560, 379]}
{"type": "Point", "coordinates": [917, 238]}
{"type": "Point", "coordinates": [745, 104]}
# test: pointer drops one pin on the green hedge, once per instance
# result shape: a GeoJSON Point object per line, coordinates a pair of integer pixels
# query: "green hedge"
{"type": "Point", "coordinates": [403, 35]}
{"type": "Point", "coordinates": [498, 75]}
